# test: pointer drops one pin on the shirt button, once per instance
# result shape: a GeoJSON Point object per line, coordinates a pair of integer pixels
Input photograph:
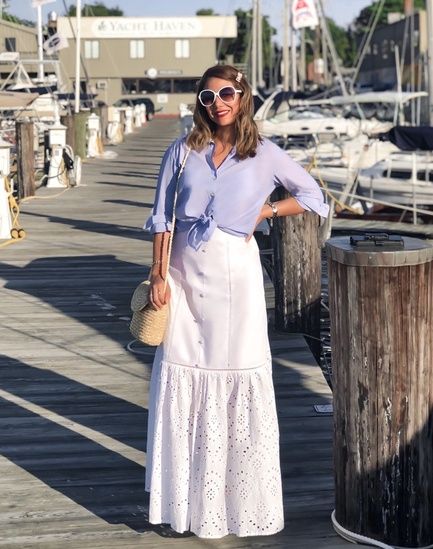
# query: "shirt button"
{"type": "Point", "coordinates": [212, 194]}
{"type": "Point", "coordinates": [200, 274]}
{"type": "Point", "coordinates": [201, 295]}
{"type": "Point", "coordinates": [200, 342]}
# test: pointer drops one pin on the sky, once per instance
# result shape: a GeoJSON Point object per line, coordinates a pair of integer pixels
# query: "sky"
{"type": "Point", "coordinates": [342, 11]}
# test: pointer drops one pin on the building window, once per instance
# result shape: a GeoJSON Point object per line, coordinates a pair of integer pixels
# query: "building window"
{"type": "Point", "coordinates": [185, 85]}
{"type": "Point", "coordinates": [136, 49]}
{"type": "Point", "coordinates": [91, 49]}
{"type": "Point", "coordinates": [181, 48]}
{"type": "Point", "coordinates": [158, 85]}
{"type": "Point", "coordinates": [10, 44]}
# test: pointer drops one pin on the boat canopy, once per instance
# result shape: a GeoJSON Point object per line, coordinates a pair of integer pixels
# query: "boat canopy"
{"type": "Point", "coordinates": [410, 138]}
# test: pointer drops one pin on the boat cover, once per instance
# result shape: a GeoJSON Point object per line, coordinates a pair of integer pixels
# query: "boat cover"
{"type": "Point", "coordinates": [410, 138]}
{"type": "Point", "coordinates": [13, 100]}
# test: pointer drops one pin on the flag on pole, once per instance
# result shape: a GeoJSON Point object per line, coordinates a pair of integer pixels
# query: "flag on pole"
{"type": "Point", "coordinates": [304, 14]}
{"type": "Point", "coordinates": [55, 43]}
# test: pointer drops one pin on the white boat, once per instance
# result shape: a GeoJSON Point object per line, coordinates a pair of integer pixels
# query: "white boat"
{"type": "Point", "coordinates": [403, 178]}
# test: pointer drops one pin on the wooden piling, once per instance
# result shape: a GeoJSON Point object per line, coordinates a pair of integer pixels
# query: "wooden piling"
{"type": "Point", "coordinates": [297, 273]}
{"type": "Point", "coordinates": [381, 307]}
{"type": "Point", "coordinates": [102, 112]}
{"type": "Point", "coordinates": [68, 121]}
{"type": "Point", "coordinates": [25, 159]}
{"type": "Point", "coordinates": [80, 126]}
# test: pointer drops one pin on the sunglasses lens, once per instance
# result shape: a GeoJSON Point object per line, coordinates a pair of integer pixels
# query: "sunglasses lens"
{"type": "Point", "coordinates": [227, 94]}
{"type": "Point", "coordinates": [206, 97]}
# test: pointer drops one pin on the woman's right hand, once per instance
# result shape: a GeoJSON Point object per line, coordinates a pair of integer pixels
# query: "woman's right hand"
{"type": "Point", "coordinates": [157, 297]}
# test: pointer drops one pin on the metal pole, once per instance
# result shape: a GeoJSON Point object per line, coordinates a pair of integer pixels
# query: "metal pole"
{"type": "Point", "coordinates": [429, 4]}
{"type": "Point", "coordinates": [40, 45]}
{"type": "Point", "coordinates": [332, 50]}
{"type": "Point", "coordinates": [254, 49]}
{"type": "Point", "coordinates": [286, 46]}
{"type": "Point", "coordinates": [302, 58]}
{"type": "Point", "coordinates": [259, 44]}
{"type": "Point", "coordinates": [77, 57]}
{"type": "Point", "coordinates": [294, 63]}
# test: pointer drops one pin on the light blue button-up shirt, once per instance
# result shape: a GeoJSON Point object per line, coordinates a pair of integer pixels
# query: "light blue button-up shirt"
{"type": "Point", "coordinates": [229, 197]}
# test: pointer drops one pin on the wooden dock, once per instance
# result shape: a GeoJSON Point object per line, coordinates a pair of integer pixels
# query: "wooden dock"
{"type": "Point", "coordinates": [73, 398]}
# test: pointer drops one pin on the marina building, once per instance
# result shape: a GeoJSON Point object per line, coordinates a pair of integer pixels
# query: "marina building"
{"type": "Point", "coordinates": [16, 41]}
{"type": "Point", "coordinates": [380, 68]}
{"type": "Point", "coordinates": [161, 57]}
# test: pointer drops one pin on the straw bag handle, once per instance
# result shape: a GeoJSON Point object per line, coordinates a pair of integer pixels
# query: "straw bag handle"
{"type": "Point", "coordinates": [173, 219]}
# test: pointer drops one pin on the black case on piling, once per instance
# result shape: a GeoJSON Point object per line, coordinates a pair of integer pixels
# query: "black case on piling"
{"type": "Point", "coordinates": [377, 242]}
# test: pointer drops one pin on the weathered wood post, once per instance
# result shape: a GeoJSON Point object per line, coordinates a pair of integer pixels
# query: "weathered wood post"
{"type": "Point", "coordinates": [297, 273]}
{"type": "Point", "coordinates": [381, 307]}
{"type": "Point", "coordinates": [80, 125]}
{"type": "Point", "coordinates": [102, 112]}
{"type": "Point", "coordinates": [68, 121]}
{"type": "Point", "coordinates": [25, 159]}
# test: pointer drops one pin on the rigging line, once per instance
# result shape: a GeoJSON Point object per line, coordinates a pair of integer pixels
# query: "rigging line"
{"type": "Point", "coordinates": [364, 37]}
{"type": "Point", "coordinates": [367, 44]}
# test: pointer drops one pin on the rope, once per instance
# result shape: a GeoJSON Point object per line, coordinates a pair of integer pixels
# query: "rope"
{"type": "Point", "coordinates": [358, 538]}
{"type": "Point", "coordinates": [17, 233]}
{"type": "Point", "coordinates": [343, 206]}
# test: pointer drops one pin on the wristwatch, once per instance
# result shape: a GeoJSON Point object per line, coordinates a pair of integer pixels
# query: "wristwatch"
{"type": "Point", "coordinates": [273, 208]}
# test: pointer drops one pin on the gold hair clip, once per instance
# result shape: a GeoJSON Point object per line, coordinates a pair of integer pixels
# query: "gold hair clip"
{"type": "Point", "coordinates": [238, 77]}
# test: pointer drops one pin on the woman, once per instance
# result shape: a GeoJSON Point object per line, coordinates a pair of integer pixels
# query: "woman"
{"type": "Point", "coordinates": [213, 455]}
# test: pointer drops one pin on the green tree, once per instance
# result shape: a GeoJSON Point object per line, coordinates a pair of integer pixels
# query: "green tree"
{"type": "Point", "coordinates": [343, 41]}
{"type": "Point", "coordinates": [342, 38]}
{"type": "Point", "coordinates": [361, 23]}
{"type": "Point", "coordinates": [240, 47]}
{"type": "Point", "coordinates": [206, 11]}
{"type": "Point", "coordinates": [98, 9]}
{"type": "Point", "coordinates": [6, 16]}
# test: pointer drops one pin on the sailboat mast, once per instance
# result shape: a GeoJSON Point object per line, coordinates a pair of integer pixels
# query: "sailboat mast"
{"type": "Point", "coordinates": [293, 53]}
{"type": "Point", "coordinates": [259, 44]}
{"type": "Point", "coordinates": [40, 44]}
{"type": "Point", "coordinates": [77, 57]}
{"type": "Point", "coordinates": [254, 48]}
{"type": "Point", "coordinates": [331, 46]}
{"type": "Point", "coordinates": [286, 46]}
{"type": "Point", "coordinates": [429, 4]}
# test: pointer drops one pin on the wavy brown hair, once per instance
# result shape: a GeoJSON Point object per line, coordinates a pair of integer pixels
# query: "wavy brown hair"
{"type": "Point", "coordinates": [246, 132]}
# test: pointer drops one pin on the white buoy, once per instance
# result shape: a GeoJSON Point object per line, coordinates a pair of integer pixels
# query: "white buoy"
{"type": "Point", "coordinates": [137, 116]}
{"type": "Point", "coordinates": [129, 114]}
{"type": "Point", "coordinates": [114, 130]}
{"type": "Point", "coordinates": [143, 114]}
{"type": "Point", "coordinates": [94, 130]}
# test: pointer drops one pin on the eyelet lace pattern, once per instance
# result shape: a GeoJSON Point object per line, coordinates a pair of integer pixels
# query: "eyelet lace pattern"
{"type": "Point", "coordinates": [213, 451]}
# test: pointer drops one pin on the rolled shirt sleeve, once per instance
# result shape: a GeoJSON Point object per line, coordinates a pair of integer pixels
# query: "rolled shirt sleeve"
{"type": "Point", "coordinates": [295, 179]}
{"type": "Point", "coordinates": [160, 219]}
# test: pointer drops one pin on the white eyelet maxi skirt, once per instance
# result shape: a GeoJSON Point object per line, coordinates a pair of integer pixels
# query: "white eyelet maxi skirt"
{"type": "Point", "coordinates": [212, 462]}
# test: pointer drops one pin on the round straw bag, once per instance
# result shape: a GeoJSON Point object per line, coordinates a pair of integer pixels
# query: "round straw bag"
{"type": "Point", "coordinates": [147, 325]}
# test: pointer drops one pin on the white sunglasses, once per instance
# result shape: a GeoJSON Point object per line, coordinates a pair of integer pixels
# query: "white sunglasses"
{"type": "Point", "coordinates": [227, 94]}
